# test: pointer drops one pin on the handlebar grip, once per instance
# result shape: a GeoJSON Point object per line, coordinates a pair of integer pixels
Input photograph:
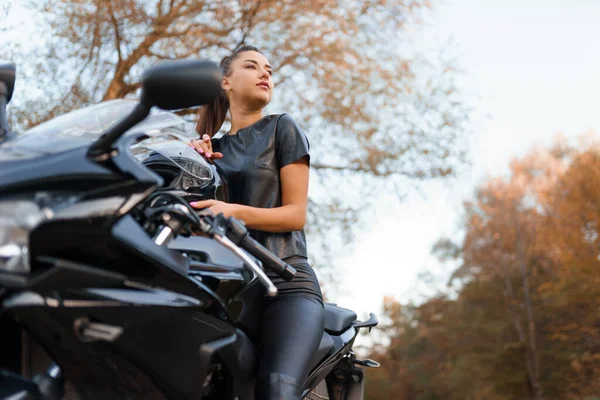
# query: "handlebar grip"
{"type": "Point", "coordinates": [238, 233]}
{"type": "Point", "coordinates": [273, 262]}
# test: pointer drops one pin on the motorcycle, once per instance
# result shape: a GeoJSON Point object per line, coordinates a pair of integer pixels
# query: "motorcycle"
{"type": "Point", "coordinates": [111, 286]}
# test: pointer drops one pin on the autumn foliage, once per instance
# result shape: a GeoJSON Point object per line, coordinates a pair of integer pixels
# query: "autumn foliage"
{"type": "Point", "coordinates": [524, 320]}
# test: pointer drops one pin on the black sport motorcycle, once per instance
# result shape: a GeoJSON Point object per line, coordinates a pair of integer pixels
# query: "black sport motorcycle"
{"type": "Point", "coordinates": [111, 286]}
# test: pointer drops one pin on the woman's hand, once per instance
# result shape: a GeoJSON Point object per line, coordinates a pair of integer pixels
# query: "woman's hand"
{"type": "Point", "coordinates": [204, 147]}
{"type": "Point", "coordinates": [216, 206]}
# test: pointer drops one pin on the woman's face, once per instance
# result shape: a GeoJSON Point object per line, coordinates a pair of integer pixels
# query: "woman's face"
{"type": "Point", "coordinates": [250, 82]}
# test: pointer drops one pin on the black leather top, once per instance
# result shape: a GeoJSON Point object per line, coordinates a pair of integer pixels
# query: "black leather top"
{"type": "Point", "coordinates": [251, 162]}
{"type": "Point", "coordinates": [337, 319]}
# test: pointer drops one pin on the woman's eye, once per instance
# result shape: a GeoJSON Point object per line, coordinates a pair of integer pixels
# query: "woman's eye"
{"type": "Point", "coordinates": [250, 66]}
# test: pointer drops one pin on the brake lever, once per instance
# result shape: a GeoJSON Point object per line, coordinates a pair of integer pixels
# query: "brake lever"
{"type": "Point", "coordinates": [216, 227]}
{"type": "Point", "coordinates": [271, 288]}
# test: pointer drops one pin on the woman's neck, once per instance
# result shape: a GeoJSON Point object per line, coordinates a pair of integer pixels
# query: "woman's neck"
{"type": "Point", "coordinates": [241, 118]}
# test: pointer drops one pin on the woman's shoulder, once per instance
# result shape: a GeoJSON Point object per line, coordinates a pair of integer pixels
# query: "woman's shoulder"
{"type": "Point", "coordinates": [284, 119]}
{"type": "Point", "coordinates": [289, 135]}
{"type": "Point", "coordinates": [286, 125]}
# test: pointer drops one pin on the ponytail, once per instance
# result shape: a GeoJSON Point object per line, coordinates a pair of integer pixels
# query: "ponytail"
{"type": "Point", "coordinates": [212, 115]}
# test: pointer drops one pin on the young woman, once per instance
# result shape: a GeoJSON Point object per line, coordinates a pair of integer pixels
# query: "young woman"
{"type": "Point", "coordinates": [265, 160]}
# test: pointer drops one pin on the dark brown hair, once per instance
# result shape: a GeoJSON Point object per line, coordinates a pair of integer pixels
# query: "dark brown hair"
{"type": "Point", "coordinates": [212, 115]}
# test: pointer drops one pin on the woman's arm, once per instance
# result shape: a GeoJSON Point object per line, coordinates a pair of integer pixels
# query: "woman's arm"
{"type": "Point", "coordinates": [291, 216]}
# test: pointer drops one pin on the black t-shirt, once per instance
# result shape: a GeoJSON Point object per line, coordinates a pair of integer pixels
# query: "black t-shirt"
{"type": "Point", "coordinates": [251, 162]}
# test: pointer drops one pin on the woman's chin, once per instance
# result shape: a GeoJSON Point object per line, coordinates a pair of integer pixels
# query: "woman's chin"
{"type": "Point", "coordinates": [261, 101]}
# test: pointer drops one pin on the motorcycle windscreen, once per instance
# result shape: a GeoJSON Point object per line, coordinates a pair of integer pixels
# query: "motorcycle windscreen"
{"type": "Point", "coordinates": [82, 127]}
{"type": "Point", "coordinates": [197, 169]}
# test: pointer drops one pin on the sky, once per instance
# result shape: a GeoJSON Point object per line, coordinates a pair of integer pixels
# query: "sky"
{"type": "Point", "coordinates": [533, 69]}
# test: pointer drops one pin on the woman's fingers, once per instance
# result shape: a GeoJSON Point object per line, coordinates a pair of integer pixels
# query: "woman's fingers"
{"type": "Point", "coordinates": [208, 146]}
{"type": "Point", "coordinates": [202, 204]}
{"type": "Point", "coordinates": [197, 145]}
{"type": "Point", "coordinates": [201, 148]}
{"type": "Point", "coordinates": [204, 147]}
{"type": "Point", "coordinates": [207, 142]}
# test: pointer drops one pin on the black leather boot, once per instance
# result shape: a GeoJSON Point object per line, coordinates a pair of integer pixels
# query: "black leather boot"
{"type": "Point", "coordinates": [278, 387]}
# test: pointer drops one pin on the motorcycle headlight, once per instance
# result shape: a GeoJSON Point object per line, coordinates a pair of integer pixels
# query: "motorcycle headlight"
{"type": "Point", "coordinates": [18, 217]}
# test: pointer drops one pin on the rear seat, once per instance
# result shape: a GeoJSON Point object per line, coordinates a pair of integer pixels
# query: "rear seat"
{"type": "Point", "coordinates": [337, 319]}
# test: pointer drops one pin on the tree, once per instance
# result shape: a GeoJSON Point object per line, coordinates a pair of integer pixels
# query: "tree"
{"type": "Point", "coordinates": [524, 320]}
{"type": "Point", "coordinates": [376, 117]}
{"type": "Point", "coordinates": [573, 293]}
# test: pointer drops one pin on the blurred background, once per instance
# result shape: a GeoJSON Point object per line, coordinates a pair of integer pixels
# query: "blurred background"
{"type": "Point", "coordinates": [455, 163]}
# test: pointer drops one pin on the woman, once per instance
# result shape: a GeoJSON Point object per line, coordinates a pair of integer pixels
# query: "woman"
{"type": "Point", "coordinates": [265, 160]}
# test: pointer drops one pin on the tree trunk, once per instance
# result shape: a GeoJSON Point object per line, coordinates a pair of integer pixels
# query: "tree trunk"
{"type": "Point", "coordinates": [518, 325]}
{"type": "Point", "coordinates": [532, 352]}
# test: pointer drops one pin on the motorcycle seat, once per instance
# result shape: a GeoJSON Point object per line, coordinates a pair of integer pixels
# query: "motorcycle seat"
{"type": "Point", "coordinates": [325, 348]}
{"type": "Point", "coordinates": [337, 319]}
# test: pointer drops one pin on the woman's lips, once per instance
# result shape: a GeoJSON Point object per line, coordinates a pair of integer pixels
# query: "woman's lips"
{"type": "Point", "coordinates": [263, 85]}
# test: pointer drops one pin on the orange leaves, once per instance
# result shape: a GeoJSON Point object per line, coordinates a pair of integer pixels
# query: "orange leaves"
{"type": "Point", "coordinates": [526, 319]}
{"type": "Point", "coordinates": [576, 365]}
{"type": "Point", "coordinates": [545, 287]}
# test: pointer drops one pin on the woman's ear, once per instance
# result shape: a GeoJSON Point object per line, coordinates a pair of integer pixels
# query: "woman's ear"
{"type": "Point", "coordinates": [225, 85]}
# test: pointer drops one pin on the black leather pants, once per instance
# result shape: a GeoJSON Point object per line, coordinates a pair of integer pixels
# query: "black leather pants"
{"type": "Point", "coordinates": [292, 331]}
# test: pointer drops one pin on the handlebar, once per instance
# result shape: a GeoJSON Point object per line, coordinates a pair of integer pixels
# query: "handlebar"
{"type": "Point", "coordinates": [239, 235]}
{"type": "Point", "coordinates": [235, 231]}
{"type": "Point", "coordinates": [229, 232]}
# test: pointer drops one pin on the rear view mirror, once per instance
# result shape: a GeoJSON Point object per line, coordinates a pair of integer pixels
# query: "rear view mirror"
{"type": "Point", "coordinates": [173, 85]}
{"type": "Point", "coordinates": [8, 72]}
{"type": "Point", "coordinates": [170, 85]}
{"type": "Point", "coordinates": [7, 80]}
